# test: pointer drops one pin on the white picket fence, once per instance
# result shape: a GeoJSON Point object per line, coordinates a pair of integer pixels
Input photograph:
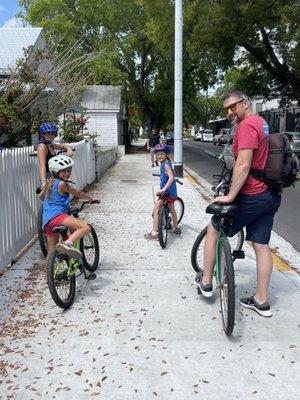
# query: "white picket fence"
{"type": "Point", "coordinates": [19, 178]}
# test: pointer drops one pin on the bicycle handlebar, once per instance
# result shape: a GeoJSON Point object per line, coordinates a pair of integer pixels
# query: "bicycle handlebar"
{"type": "Point", "coordinates": [77, 210]}
{"type": "Point", "coordinates": [59, 152]}
{"type": "Point", "coordinates": [176, 179]}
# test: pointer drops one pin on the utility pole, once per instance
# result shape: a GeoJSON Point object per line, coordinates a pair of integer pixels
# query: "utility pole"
{"type": "Point", "coordinates": [178, 167]}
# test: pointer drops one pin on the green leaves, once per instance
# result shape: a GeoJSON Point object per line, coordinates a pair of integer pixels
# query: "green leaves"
{"type": "Point", "coordinates": [254, 44]}
{"type": "Point", "coordinates": [261, 36]}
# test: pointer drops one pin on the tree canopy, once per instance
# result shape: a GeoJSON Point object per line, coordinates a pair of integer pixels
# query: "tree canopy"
{"type": "Point", "coordinates": [257, 40]}
{"type": "Point", "coordinates": [253, 44]}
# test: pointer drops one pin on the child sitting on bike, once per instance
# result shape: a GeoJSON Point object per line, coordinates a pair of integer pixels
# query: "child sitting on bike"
{"type": "Point", "coordinates": [167, 192]}
{"type": "Point", "coordinates": [57, 204]}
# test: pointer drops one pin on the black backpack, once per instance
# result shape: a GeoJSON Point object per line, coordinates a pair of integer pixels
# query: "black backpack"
{"type": "Point", "coordinates": [282, 164]}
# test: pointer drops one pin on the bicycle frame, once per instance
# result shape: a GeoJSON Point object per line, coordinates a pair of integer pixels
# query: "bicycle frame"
{"type": "Point", "coordinates": [73, 263]}
{"type": "Point", "coordinates": [217, 269]}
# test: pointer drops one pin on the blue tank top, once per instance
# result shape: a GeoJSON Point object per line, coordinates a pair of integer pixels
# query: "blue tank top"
{"type": "Point", "coordinates": [56, 204]}
{"type": "Point", "coordinates": [172, 191]}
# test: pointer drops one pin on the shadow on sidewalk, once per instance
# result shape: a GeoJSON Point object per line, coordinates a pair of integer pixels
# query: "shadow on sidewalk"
{"type": "Point", "coordinates": [136, 149]}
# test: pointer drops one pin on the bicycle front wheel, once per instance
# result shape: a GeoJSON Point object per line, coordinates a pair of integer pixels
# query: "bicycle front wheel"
{"type": "Point", "coordinates": [41, 232]}
{"type": "Point", "coordinates": [89, 247]}
{"type": "Point", "coordinates": [61, 286]}
{"type": "Point", "coordinates": [226, 285]}
{"type": "Point", "coordinates": [179, 208]}
{"type": "Point", "coordinates": [197, 253]}
{"type": "Point", "coordinates": [163, 224]}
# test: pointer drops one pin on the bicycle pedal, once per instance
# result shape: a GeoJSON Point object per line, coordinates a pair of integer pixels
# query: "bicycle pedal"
{"type": "Point", "coordinates": [91, 276]}
{"type": "Point", "coordinates": [240, 254]}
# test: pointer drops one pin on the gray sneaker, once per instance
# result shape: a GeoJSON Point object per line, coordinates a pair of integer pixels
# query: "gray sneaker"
{"type": "Point", "coordinates": [207, 288]}
{"type": "Point", "coordinates": [262, 309]}
{"type": "Point", "coordinates": [69, 250]}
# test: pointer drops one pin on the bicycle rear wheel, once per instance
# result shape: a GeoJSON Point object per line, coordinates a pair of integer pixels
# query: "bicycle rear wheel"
{"type": "Point", "coordinates": [226, 285]}
{"type": "Point", "coordinates": [197, 253]}
{"type": "Point", "coordinates": [89, 247]}
{"type": "Point", "coordinates": [41, 232]}
{"type": "Point", "coordinates": [179, 208]}
{"type": "Point", "coordinates": [61, 286]}
{"type": "Point", "coordinates": [163, 225]}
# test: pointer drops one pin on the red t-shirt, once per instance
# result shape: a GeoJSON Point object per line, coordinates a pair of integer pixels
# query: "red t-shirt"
{"type": "Point", "coordinates": [253, 133]}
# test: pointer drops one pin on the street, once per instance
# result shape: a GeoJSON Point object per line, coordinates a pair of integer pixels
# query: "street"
{"type": "Point", "coordinates": [287, 219]}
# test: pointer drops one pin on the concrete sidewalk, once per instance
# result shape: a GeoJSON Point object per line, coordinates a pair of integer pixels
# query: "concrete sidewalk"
{"type": "Point", "coordinates": [140, 330]}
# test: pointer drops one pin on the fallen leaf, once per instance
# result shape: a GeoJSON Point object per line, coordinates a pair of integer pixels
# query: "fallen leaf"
{"type": "Point", "coordinates": [78, 372]}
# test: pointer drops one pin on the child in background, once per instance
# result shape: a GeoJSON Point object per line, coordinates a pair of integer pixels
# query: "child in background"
{"type": "Point", "coordinates": [57, 204]}
{"type": "Point", "coordinates": [168, 185]}
{"type": "Point", "coordinates": [46, 148]}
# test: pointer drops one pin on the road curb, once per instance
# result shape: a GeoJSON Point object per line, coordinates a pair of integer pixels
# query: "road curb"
{"type": "Point", "coordinates": [202, 186]}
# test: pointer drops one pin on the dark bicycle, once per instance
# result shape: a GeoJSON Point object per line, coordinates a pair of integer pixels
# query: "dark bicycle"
{"type": "Point", "coordinates": [165, 218]}
{"type": "Point", "coordinates": [62, 270]}
{"type": "Point", "coordinates": [42, 237]}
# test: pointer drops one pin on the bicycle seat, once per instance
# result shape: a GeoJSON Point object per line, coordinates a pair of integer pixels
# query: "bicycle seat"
{"type": "Point", "coordinates": [60, 229]}
{"type": "Point", "coordinates": [222, 209]}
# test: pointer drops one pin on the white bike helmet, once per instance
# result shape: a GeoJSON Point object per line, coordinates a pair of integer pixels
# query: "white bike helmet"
{"type": "Point", "coordinates": [60, 162]}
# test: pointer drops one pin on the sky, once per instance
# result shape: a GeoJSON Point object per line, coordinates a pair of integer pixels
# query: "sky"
{"type": "Point", "coordinates": [8, 9]}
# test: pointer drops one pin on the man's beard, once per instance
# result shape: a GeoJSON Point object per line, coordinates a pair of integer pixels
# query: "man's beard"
{"type": "Point", "coordinates": [234, 120]}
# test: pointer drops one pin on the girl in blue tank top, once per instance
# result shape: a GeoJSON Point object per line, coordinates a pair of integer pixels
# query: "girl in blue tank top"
{"type": "Point", "coordinates": [168, 185]}
{"type": "Point", "coordinates": [56, 207]}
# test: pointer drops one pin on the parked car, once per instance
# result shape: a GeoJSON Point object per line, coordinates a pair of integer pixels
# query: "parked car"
{"type": "Point", "coordinates": [294, 139]}
{"type": "Point", "coordinates": [169, 137]}
{"type": "Point", "coordinates": [221, 137]}
{"type": "Point", "coordinates": [207, 135]}
{"type": "Point", "coordinates": [198, 136]}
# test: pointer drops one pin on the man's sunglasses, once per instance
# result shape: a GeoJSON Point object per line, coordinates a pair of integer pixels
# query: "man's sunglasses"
{"type": "Point", "coordinates": [232, 107]}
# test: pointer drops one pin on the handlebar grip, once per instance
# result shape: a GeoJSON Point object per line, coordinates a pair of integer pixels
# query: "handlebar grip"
{"type": "Point", "coordinates": [156, 175]}
{"type": "Point", "coordinates": [178, 181]}
{"type": "Point", "coordinates": [95, 202]}
{"type": "Point", "coordinates": [38, 190]}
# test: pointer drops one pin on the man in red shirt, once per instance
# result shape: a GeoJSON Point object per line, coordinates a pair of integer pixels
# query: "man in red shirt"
{"type": "Point", "coordinates": [257, 203]}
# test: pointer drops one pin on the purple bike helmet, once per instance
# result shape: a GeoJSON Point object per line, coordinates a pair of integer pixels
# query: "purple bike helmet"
{"type": "Point", "coordinates": [162, 147]}
{"type": "Point", "coordinates": [47, 127]}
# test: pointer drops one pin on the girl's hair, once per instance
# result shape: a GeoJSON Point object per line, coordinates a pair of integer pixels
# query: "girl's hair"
{"type": "Point", "coordinates": [50, 181]}
{"type": "Point", "coordinates": [49, 186]}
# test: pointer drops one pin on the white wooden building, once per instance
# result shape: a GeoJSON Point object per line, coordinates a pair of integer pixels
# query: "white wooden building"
{"type": "Point", "coordinates": [13, 41]}
{"type": "Point", "coordinates": [104, 111]}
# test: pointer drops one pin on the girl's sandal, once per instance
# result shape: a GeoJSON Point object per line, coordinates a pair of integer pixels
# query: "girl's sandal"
{"type": "Point", "coordinates": [177, 231]}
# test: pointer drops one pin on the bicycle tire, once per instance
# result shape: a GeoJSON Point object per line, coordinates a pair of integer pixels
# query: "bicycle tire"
{"type": "Point", "coordinates": [57, 268]}
{"type": "Point", "coordinates": [236, 242]}
{"type": "Point", "coordinates": [226, 285]}
{"type": "Point", "coordinates": [41, 232]}
{"type": "Point", "coordinates": [163, 226]}
{"type": "Point", "coordinates": [90, 242]}
{"type": "Point", "coordinates": [197, 251]}
{"type": "Point", "coordinates": [179, 207]}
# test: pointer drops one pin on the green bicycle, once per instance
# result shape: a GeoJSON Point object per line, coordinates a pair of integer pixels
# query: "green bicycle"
{"type": "Point", "coordinates": [224, 271]}
{"type": "Point", "coordinates": [63, 270]}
